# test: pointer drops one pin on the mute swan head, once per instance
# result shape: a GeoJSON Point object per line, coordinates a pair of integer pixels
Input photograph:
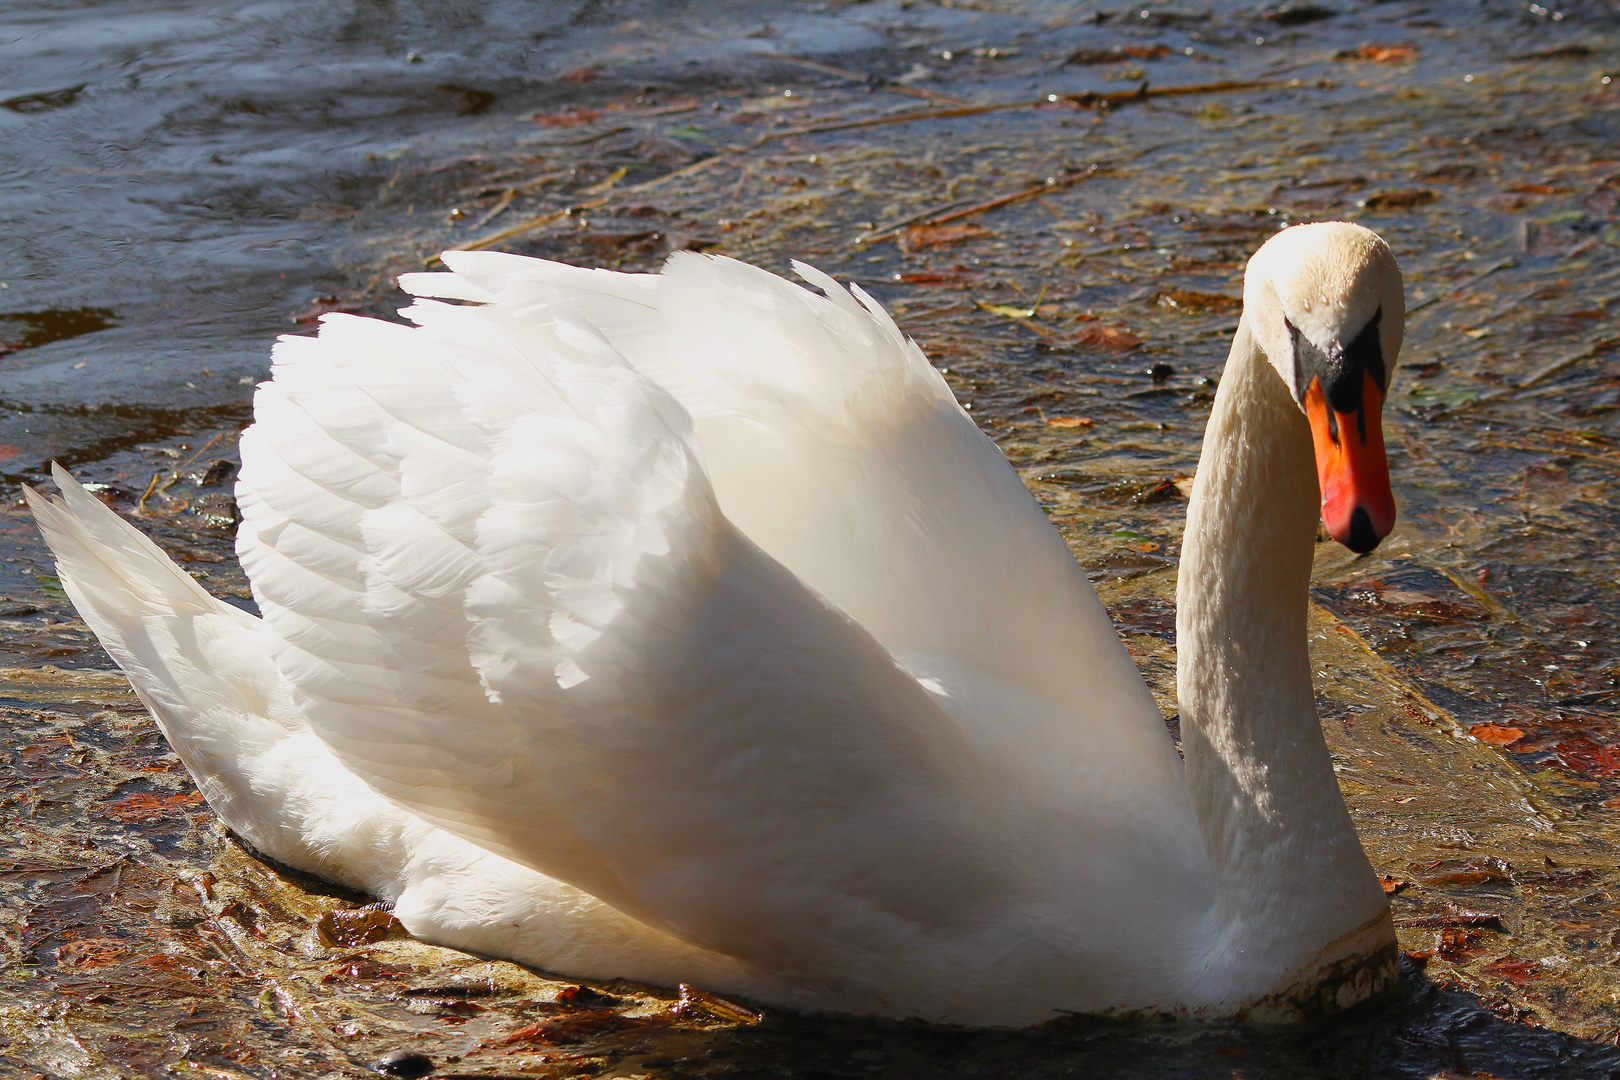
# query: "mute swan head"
{"type": "Point", "coordinates": [1325, 305]}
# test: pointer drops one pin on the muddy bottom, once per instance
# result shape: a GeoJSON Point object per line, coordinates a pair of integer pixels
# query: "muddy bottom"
{"type": "Point", "coordinates": [1056, 200]}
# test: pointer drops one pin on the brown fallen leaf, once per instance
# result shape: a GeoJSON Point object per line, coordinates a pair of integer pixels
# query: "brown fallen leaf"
{"type": "Point", "coordinates": [1160, 491]}
{"type": "Point", "coordinates": [356, 927]}
{"type": "Point", "coordinates": [1116, 53]}
{"type": "Point", "coordinates": [1379, 54]}
{"type": "Point", "coordinates": [583, 997]}
{"type": "Point", "coordinates": [1391, 885]}
{"type": "Point", "coordinates": [1457, 943]}
{"type": "Point", "coordinates": [92, 952]}
{"type": "Point", "coordinates": [324, 305]}
{"type": "Point", "coordinates": [1191, 300]}
{"type": "Point", "coordinates": [1496, 734]}
{"type": "Point", "coordinates": [361, 967]}
{"type": "Point", "coordinates": [1513, 969]}
{"type": "Point", "coordinates": [144, 806]}
{"type": "Point", "coordinates": [1586, 757]}
{"type": "Point", "coordinates": [1400, 200]}
{"type": "Point", "coordinates": [1112, 338]}
{"type": "Point", "coordinates": [920, 237]}
{"type": "Point", "coordinates": [1070, 421]}
{"type": "Point", "coordinates": [567, 118]}
{"type": "Point", "coordinates": [1449, 916]}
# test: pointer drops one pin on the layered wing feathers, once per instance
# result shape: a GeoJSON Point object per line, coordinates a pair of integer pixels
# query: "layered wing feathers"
{"type": "Point", "coordinates": [833, 444]}
{"type": "Point", "coordinates": [505, 596]}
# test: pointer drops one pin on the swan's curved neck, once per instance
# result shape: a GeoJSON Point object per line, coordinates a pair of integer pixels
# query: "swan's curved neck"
{"type": "Point", "coordinates": [1288, 869]}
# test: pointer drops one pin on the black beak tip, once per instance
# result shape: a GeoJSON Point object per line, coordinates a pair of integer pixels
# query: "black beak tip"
{"type": "Point", "coordinates": [1362, 538]}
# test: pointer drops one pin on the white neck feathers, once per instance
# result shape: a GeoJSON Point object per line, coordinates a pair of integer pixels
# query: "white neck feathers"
{"type": "Point", "coordinates": [1289, 872]}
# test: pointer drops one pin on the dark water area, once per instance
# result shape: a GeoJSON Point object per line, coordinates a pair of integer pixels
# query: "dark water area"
{"type": "Point", "coordinates": [1056, 199]}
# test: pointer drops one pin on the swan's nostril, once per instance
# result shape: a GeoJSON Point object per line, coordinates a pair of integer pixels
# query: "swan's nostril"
{"type": "Point", "coordinates": [1362, 538]}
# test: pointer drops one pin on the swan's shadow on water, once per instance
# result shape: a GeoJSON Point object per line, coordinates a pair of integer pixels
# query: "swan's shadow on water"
{"type": "Point", "coordinates": [1419, 1030]}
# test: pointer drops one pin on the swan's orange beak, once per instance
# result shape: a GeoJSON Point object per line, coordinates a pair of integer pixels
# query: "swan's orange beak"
{"type": "Point", "coordinates": [1357, 505]}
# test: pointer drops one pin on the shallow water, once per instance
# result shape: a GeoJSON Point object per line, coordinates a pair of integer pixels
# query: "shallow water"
{"type": "Point", "coordinates": [179, 184]}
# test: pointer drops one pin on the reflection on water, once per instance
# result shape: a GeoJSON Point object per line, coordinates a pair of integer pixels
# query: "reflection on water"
{"type": "Point", "coordinates": [179, 185]}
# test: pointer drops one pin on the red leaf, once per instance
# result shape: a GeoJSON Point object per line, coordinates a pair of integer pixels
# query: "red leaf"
{"type": "Point", "coordinates": [568, 118]}
{"type": "Point", "coordinates": [1112, 338]}
{"type": "Point", "coordinates": [1457, 943]}
{"type": "Point", "coordinates": [1449, 915]}
{"type": "Point", "coordinates": [1582, 755]}
{"type": "Point", "coordinates": [1514, 969]}
{"type": "Point", "coordinates": [917, 237]}
{"type": "Point", "coordinates": [144, 806]}
{"type": "Point", "coordinates": [1379, 54]}
{"type": "Point", "coordinates": [353, 928]}
{"type": "Point", "coordinates": [1496, 734]}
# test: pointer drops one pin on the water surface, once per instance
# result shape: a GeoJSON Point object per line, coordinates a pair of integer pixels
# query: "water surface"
{"type": "Point", "coordinates": [179, 183]}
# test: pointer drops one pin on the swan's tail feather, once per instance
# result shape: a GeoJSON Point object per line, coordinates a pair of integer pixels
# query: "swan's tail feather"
{"type": "Point", "coordinates": [115, 570]}
{"type": "Point", "coordinates": [197, 663]}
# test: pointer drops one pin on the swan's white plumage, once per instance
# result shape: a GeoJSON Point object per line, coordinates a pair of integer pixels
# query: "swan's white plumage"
{"type": "Point", "coordinates": [676, 627]}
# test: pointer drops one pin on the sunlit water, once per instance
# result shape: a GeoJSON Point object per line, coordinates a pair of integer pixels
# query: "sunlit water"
{"type": "Point", "coordinates": [178, 184]}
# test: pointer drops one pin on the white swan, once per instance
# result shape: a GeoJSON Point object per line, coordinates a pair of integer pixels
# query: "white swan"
{"type": "Point", "coordinates": [683, 628]}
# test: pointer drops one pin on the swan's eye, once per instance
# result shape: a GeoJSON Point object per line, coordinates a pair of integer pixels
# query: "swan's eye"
{"type": "Point", "coordinates": [1340, 370]}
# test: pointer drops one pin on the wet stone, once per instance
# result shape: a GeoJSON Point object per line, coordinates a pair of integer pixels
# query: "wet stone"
{"type": "Point", "coordinates": [404, 1065]}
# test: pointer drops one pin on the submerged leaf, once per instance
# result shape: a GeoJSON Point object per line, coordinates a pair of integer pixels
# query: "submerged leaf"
{"type": "Point", "coordinates": [919, 237]}
{"type": "Point", "coordinates": [1112, 338]}
{"type": "Point", "coordinates": [350, 929]}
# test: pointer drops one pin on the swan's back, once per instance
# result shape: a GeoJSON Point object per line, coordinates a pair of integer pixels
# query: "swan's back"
{"type": "Point", "coordinates": [833, 444]}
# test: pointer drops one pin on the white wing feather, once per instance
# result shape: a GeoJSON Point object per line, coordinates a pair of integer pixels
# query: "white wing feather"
{"type": "Point", "coordinates": [834, 445]}
{"type": "Point", "coordinates": [505, 596]}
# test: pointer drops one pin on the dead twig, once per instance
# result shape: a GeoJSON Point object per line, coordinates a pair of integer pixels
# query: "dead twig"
{"type": "Point", "coordinates": [526, 225]}
{"type": "Point", "coordinates": [1540, 375]}
{"type": "Point", "coordinates": [682, 172]}
{"type": "Point", "coordinates": [585, 139]}
{"type": "Point", "coordinates": [151, 486]}
{"type": "Point", "coordinates": [1607, 459]}
{"type": "Point", "coordinates": [897, 118]}
{"type": "Point", "coordinates": [495, 211]}
{"type": "Point", "coordinates": [955, 211]}
{"type": "Point", "coordinates": [1557, 367]}
{"type": "Point", "coordinates": [893, 85]}
{"type": "Point", "coordinates": [1087, 100]}
{"type": "Point", "coordinates": [1500, 264]}
{"type": "Point", "coordinates": [532, 223]}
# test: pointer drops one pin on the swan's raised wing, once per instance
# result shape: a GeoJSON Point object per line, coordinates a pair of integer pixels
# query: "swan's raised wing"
{"type": "Point", "coordinates": [502, 592]}
{"type": "Point", "coordinates": [837, 447]}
